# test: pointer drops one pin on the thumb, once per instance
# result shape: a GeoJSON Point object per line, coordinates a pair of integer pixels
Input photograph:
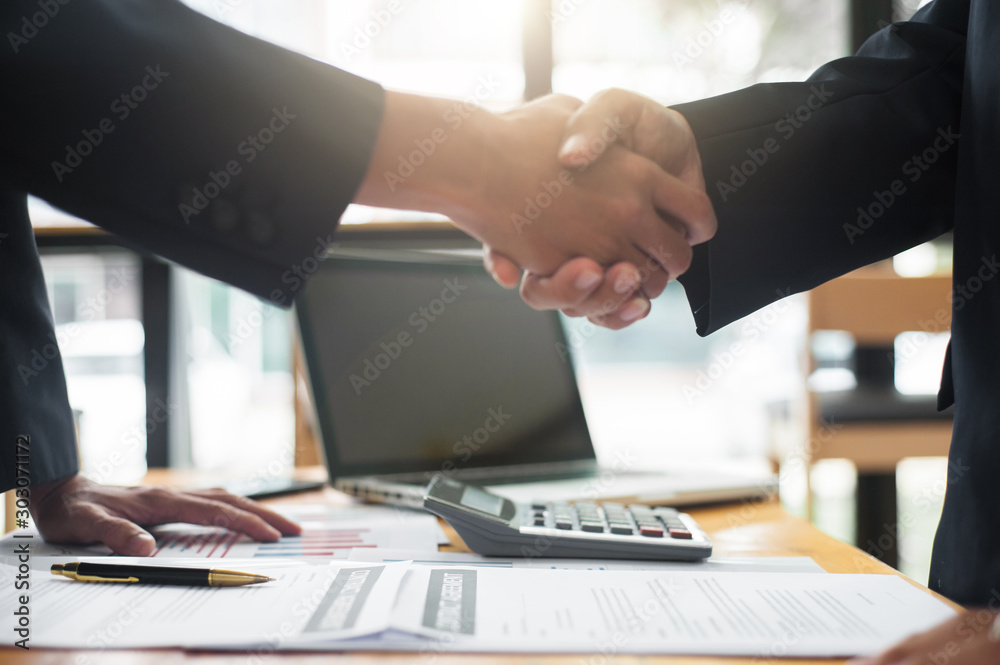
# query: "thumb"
{"type": "Point", "coordinates": [598, 124]}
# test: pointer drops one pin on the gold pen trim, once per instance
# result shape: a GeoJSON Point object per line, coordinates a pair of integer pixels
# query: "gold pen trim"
{"type": "Point", "coordinates": [70, 570]}
{"type": "Point", "coordinates": [222, 577]}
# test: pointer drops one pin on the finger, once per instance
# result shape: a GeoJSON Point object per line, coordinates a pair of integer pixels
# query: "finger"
{"type": "Point", "coordinates": [561, 101]}
{"type": "Point", "coordinates": [272, 517]}
{"type": "Point", "coordinates": [688, 205]}
{"type": "Point", "coordinates": [505, 272]}
{"type": "Point", "coordinates": [662, 245]}
{"type": "Point", "coordinates": [193, 509]}
{"type": "Point", "coordinates": [634, 309]}
{"type": "Point", "coordinates": [595, 126]}
{"type": "Point", "coordinates": [621, 281]}
{"type": "Point", "coordinates": [570, 285]}
{"type": "Point", "coordinates": [122, 536]}
{"type": "Point", "coordinates": [653, 278]}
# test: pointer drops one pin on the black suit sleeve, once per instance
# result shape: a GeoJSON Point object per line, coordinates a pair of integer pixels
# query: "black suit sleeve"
{"type": "Point", "coordinates": [222, 152]}
{"type": "Point", "coordinates": [811, 180]}
{"type": "Point", "coordinates": [37, 438]}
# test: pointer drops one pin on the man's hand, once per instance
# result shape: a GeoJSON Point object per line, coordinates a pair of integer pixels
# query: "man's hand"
{"type": "Point", "coordinates": [969, 639]}
{"type": "Point", "coordinates": [77, 510]}
{"type": "Point", "coordinates": [500, 179]}
{"type": "Point", "coordinates": [651, 130]}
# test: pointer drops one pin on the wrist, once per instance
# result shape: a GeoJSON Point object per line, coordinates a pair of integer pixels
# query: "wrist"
{"type": "Point", "coordinates": [467, 183]}
{"type": "Point", "coordinates": [433, 155]}
{"type": "Point", "coordinates": [41, 493]}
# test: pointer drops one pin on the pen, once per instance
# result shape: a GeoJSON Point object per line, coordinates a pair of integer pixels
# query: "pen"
{"type": "Point", "coordinates": [109, 572]}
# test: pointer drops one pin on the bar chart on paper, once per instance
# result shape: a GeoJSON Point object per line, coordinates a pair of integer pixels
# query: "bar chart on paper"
{"type": "Point", "coordinates": [323, 542]}
{"type": "Point", "coordinates": [327, 540]}
{"type": "Point", "coordinates": [328, 532]}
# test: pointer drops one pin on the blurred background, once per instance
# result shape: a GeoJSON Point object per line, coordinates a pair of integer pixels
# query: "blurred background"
{"type": "Point", "coordinates": [168, 367]}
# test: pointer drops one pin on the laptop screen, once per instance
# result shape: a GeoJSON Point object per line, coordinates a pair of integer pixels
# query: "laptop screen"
{"type": "Point", "coordinates": [428, 366]}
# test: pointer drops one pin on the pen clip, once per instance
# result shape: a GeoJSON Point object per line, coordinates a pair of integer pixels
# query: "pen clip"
{"type": "Point", "coordinates": [95, 578]}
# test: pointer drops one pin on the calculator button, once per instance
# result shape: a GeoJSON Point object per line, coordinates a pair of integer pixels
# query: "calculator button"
{"type": "Point", "coordinates": [592, 527]}
{"type": "Point", "coordinates": [681, 533]}
{"type": "Point", "coordinates": [539, 521]}
{"type": "Point", "coordinates": [564, 525]}
{"type": "Point", "coordinates": [651, 531]}
{"type": "Point", "coordinates": [622, 529]}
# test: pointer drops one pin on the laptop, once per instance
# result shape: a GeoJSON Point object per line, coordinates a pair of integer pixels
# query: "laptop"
{"type": "Point", "coordinates": [420, 364]}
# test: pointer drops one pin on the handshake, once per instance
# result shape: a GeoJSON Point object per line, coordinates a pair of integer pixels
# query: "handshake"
{"type": "Point", "coordinates": [598, 204]}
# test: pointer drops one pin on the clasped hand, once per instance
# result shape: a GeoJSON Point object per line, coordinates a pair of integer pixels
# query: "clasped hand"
{"type": "Point", "coordinates": [643, 204]}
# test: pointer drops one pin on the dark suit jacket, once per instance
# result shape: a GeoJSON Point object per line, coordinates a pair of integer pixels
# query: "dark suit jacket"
{"type": "Point", "coordinates": [221, 152]}
{"type": "Point", "coordinates": [811, 180]}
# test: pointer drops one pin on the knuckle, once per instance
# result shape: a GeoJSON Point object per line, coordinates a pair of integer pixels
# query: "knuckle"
{"type": "Point", "coordinates": [529, 294]}
{"type": "Point", "coordinates": [158, 492]}
{"type": "Point", "coordinates": [705, 214]}
{"type": "Point", "coordinates": [682, 260]}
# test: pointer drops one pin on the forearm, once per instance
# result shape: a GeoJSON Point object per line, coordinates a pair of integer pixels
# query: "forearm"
{"type": "Point", "coordinates": [37, 438]}
{"type": "Point", "coordinates": [796, 170]}
{"type": "Point", "coordinates": [219, 151]}
{"type": "Point", "coordinates": [432, 155]}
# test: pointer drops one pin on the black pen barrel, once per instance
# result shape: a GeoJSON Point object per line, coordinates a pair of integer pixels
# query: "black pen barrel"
{"type": "Point", "coordinates": [146, 574]}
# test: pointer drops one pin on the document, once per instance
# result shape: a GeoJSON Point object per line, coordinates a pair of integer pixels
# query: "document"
{"type": "Point", "coordinates": [643, 612]}
{"type": "Point", "coordinates": [789, 564]}
{"type": "Point", "coordinates": [328, 533]}
{"type": "Point", "coordinates": [306, 603]}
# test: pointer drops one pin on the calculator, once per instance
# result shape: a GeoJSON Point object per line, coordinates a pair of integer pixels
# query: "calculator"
{"type": "Point", "coordinates": [493, 525]}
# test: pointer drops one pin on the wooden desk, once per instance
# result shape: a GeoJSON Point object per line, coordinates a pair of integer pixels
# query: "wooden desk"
{"type": "Point", "coordinates": [737, 530]}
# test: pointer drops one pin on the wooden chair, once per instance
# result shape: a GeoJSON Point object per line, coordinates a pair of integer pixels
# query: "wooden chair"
{"type": "Point", "coordinates": [874, 425]}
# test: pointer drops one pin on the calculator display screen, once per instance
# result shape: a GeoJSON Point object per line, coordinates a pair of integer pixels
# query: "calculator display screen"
{"type": "Point", "coordinates": [473, 497]}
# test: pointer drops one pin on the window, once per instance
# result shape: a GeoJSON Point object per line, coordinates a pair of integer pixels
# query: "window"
{"type": "Point", "coordinates": [96, 307]}
{"type": "Point", "coordinates": [235, 382]}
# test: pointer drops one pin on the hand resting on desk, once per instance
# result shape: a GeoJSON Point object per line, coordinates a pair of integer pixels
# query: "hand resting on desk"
{"type": "Point", "coordinates": [969, 639]}
{"type": "Point", "coordinates": [76, 510]}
